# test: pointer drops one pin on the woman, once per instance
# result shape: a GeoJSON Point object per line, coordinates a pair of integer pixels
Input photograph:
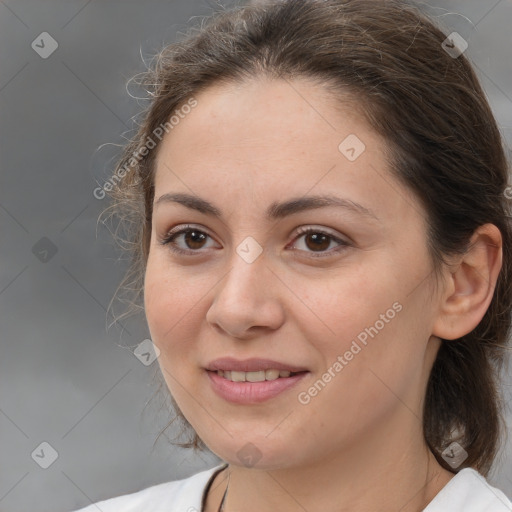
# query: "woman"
{"type": "Point", "coordinates": [322, 238]}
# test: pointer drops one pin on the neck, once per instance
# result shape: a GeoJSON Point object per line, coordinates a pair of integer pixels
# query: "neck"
{"type": "Point", "coordinates": [403, 475]}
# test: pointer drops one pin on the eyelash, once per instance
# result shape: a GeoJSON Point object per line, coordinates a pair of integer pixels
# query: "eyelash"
{"type": "Point", "coordinates": [171, 236]}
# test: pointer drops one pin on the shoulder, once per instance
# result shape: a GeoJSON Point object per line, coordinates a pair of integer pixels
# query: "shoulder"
{"type": "Point", "coordinates": [178, 496]}
{"type": "Point", "coordinates": [469, 491]}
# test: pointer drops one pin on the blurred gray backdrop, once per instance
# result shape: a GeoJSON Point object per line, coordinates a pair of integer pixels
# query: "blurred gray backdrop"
{"type": "Point", "coordinates": [76, 421]}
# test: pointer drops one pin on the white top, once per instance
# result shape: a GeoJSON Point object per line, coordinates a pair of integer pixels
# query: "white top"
{"type": "Point", "coordinates": [467, 491]}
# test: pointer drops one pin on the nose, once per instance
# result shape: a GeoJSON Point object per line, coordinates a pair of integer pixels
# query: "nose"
{"type": "Point", "coordinates": [247, 301]}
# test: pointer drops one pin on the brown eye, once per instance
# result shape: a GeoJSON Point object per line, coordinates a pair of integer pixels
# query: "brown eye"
{"type": "Point", "coordinates": [192, 238]}
{"type": "Point", "coordinates": [318, 241]}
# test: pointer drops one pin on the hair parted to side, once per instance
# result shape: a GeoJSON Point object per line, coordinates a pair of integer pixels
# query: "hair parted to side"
{"type": "Point", "coordinates": [444, 143]}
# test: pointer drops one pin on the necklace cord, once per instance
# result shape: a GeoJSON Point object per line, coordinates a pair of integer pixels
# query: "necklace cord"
{"type": "Point", "coordinates": [221, 506]}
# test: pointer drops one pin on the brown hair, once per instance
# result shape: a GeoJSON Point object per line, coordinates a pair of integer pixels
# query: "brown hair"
{"type": "Point", "coordinates": [445, 147]}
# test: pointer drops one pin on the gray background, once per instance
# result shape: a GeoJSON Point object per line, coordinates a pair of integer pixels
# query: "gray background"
{"type": "Point", "coordinates": [67, 378]}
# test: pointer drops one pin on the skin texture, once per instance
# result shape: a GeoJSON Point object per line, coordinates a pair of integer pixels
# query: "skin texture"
{"type": "Point", "coordinates": [242, 148]}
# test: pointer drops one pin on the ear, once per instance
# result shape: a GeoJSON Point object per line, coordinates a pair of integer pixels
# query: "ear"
{"type": "Point", "coordinates": [470, 285]}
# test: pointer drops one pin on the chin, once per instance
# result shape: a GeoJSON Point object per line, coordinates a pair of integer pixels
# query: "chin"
{"type": "Point", "coordinates": [251, 453]}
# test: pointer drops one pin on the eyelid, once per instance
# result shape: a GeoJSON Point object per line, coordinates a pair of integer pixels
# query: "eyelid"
{"type": "Point", "coordinates": [343, 244]}
{"type": "Point", "coordinates": [165, 240]}
{"type": "Point", "coordinates": [313, 228]}
{"type": "Point", "coordinates": [179, 230]}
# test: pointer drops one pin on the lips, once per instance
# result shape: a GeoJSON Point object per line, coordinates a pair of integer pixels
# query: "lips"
{"type": "Point", "coordinates": [251, 365]}
{"type": "Point", "coordinates": [258, 376]}
{"type": "Point", "coordinates": [254, 380]}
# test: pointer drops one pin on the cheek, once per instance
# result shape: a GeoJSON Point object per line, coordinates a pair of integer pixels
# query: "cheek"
{"type": "Point", "coordinates": [172, 307]}
{"type": "Point", "coordinates": [362, 382]}
{"type": "Point", "coordinates": [356, 304]}
{"type": "Point", "coordinates": [172, 313]}
{"type": "Point", "coordinates": [371, 334]}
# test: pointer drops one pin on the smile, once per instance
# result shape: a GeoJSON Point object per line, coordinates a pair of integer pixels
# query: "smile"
{"type": "Point", "coordinates": [246, 388]}
{"type": "Point", "coordinates": [257, 376]}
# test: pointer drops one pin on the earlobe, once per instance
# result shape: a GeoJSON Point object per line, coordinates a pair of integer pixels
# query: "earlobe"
{"type": "Point", "coordinates": [470, 285]}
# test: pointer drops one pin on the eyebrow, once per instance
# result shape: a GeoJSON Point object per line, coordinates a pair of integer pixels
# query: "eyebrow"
{"type": "Point", "coordinates": [275, 210]}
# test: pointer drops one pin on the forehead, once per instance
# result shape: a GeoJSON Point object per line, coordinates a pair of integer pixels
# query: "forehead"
{"type": "Point", "coordinates": [262, 120]}
{"type": "Point", "coordinates": [256, 100]}
{"type": "Point", "coordinates": [273, 138]}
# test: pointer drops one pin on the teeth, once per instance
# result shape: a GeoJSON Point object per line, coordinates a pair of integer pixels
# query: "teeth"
{"type": "Point", "coordinates": [272, 374]}
{"type": "Point", "coordinates": [238, 376]}
{"type": "Point", "coordinates": [258, 376]}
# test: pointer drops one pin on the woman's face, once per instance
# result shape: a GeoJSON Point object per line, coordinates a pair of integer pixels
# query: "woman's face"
{"type": "Point", "coordinates": [349, 305]}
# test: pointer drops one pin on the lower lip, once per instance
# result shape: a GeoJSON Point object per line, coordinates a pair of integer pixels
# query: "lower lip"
{"type": "Point", "coordinates": [252, 392]}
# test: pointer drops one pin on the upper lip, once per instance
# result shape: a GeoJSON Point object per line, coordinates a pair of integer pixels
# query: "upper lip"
{"type": "Point", "coordinates": [251, 365]}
